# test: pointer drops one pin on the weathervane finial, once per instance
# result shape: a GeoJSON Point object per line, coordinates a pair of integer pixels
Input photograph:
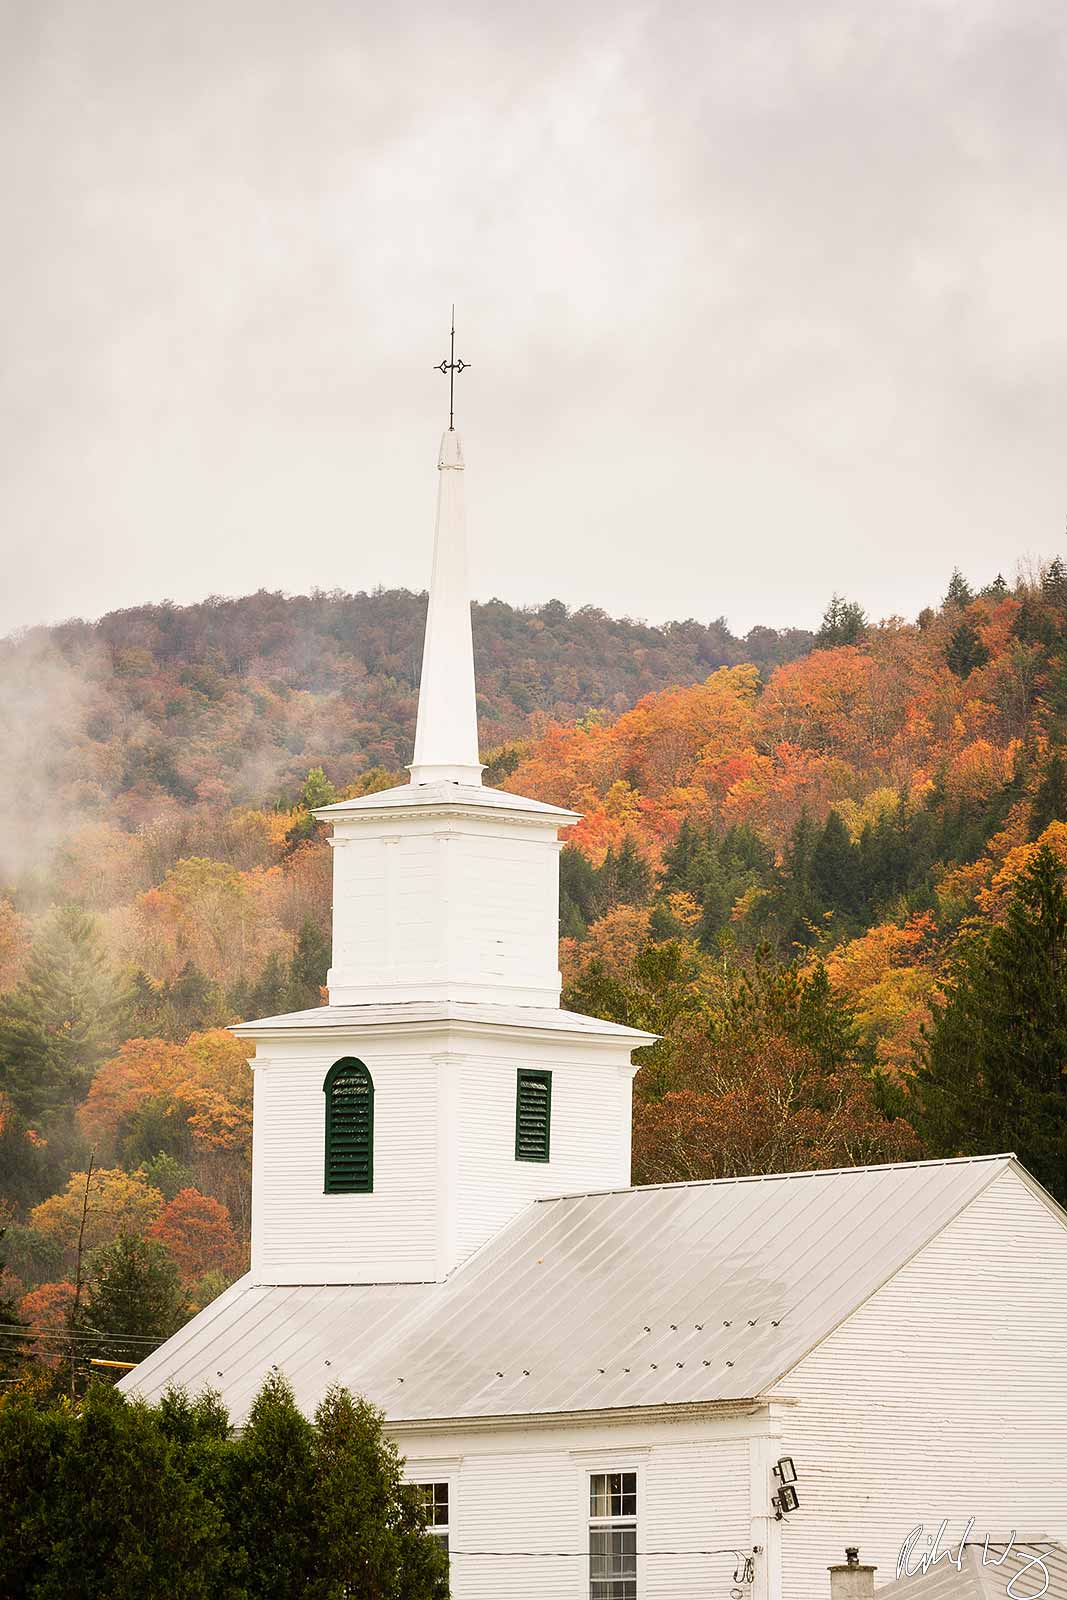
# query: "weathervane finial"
{"type": "Point", "coordinates": [452, 366]}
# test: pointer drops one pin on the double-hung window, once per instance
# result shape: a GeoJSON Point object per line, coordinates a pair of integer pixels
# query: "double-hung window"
{"type": "Point", "coordinates": [434, 1500]}
{"type": "Point", "coordinates": [613, 1536]}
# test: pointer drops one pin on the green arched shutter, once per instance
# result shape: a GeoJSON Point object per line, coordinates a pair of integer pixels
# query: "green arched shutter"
{"type": "Point", "coordinates": [349, 1090]}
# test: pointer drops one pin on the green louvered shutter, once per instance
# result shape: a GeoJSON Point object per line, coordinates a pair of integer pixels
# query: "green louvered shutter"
{"type": "Point", "coordinates": [533, 1116]}
{"type": "Point", "coordinates": [349, 1092]}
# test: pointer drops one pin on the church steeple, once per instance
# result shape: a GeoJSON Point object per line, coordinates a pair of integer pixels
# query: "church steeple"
{"type": "Point", "coordinates": [446, 734]}
{"type": "Point", "coordinates": [442, 1088]}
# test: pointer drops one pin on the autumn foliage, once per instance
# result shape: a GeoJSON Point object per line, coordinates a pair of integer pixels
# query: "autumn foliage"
{"type": "Point", "coordinates": [786, 848]}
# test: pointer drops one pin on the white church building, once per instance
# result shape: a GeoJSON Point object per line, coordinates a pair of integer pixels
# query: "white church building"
{"type": "Point", "coordinates": [611, 1393]}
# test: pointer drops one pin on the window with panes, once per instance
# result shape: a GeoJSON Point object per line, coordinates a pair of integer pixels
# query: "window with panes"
{"type": "Point", "coordinates": [434, 1500]}
{"type": "Point", "coordinates": [613, 1536]}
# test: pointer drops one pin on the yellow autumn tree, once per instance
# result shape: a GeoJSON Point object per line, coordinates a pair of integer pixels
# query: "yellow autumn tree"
{"type": "Point", "coordinates": [113, 1202]}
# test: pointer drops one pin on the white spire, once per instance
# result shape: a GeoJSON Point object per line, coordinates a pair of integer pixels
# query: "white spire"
{"type": "Point", "coordinates": [446, 734]}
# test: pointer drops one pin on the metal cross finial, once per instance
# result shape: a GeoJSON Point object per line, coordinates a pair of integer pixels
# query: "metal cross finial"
{"type": "Point", "coordinates": [452, 366]}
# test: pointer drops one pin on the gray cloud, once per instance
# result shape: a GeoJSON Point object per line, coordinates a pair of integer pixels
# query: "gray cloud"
{"type": "Point", "coordinates": [761, 299]}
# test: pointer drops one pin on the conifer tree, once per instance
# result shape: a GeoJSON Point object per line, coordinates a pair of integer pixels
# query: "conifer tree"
{"type": "Point", "coordinates": [13, 1345]}
{"type": "Point", "coordinates": [273, 1488]}
{"type": "Point", "coordinates": [1054, 584]}
{"type": "Point", "coordinates": [966, 650]}
{"type": "Point", "coordinates": [134, 1291]}
{"type": "Point", "coordinates": [269, 995]}
{"type": "Point", "coordinates": [368, 1527]}
{"type": "Point", "coordinates": [110, 1507]}
{"type": "Point", "coordinates": [959, 592]}
{"type": "Point", "coordinates": [308, 967]}
{"type": "Point", "coordinates": [835, 867]}
{"type": "Point", "coordinates": [993, 1078]}
{"type": "Point", "coordinates": [63, 1018]}
{"type": "Point", "coordinates": [317, 791]}
{"type": "Point", "coordinates": [1050, 798]}
{"type": "Point", "coordinates": [844, 622]}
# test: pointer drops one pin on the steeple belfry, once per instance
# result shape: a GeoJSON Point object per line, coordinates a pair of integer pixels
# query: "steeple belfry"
{"type": "Point", "coordinates": [446, 733]}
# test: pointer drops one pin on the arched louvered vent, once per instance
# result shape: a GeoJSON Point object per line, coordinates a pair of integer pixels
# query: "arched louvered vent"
{"type": "Point", "coordinates": [349, 1091]}
{"type": "Point", "coordinates": [533, 1115]}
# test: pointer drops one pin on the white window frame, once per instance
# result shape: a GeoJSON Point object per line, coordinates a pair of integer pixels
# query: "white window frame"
{"type": "Point", "coordinates": [419, 1474]}
{"type": "Point", "coordinates": [593, 1468]}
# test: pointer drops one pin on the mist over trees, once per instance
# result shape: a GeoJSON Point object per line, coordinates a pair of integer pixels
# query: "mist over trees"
{"type": "Point", "coordinates": [828, 872]}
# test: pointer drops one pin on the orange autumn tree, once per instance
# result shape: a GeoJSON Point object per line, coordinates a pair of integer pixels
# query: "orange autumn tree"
{"type": "Point", "coordinates": [197, 1233]}
{"type": "Point", "coordinates": [206, 1078]}
{"type": "Point", "coordinates": [674, 751]}
{"type": "Point", "coordinates": [196, 1096]}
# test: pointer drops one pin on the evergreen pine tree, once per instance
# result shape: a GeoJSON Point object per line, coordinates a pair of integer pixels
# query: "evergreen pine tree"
{"type": "Point", "coordinates": [118, 1512]}
{"type": "Point", "coordinates": [1054, 584]}
{"type": "Point", "coordinates": [844, 622]}
{"type": "Point", "coordinates": [273, 1495]}
{"type": "Point", "coordinates": [623, 878]}
{"type": "Point", "coordinates": [835, 867]}
{"type": "Point", "coordinates": [993, 1078]}
{"type": "Point", "coordinates": [317, 791]}
{"type": "Point", "coordinates": [577, 892]}
{"type": "Point", "coordinates": [13, 1345]}
{"type": "Point", "coordinates": [959, 592]}
{"type": "Point", "coordinates": [1050, 798]}
{"type": "Point", "coordinates": [269, 994]}
{"type": "Point", "coordinates": [308, 968]}
{"type": "Point", "coordinates": [64, 1017]}
{"type": "Point", "coordinates": [966, 650]}
{"type": "Point", "coordinates": [369, 1529]}
{"type": "Point", "coordinates": [134, 1294]}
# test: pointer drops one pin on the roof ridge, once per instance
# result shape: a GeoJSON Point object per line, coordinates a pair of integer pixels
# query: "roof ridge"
{"type": "Point", "coordinates": [778, 1177]}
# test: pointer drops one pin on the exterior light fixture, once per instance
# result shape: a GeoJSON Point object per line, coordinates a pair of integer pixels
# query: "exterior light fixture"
{"type": "Point", "coordinates": [785, 1500]}
{"type": "Point", "coordinates": [785, 1471]}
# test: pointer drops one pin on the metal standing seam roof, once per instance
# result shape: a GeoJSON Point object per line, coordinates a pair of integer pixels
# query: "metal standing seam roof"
{"type": "Point", "coordinates": [978, 1578]}
{"type": "Point", "coordinates": [672, 1295]}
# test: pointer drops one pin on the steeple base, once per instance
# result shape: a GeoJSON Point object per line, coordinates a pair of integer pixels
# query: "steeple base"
{"type": "Point", "coordinates": [429, 773]}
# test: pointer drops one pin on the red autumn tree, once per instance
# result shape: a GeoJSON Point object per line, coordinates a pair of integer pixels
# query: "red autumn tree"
{"type": "Point", "coordinates": [197, 1233]}
{"type": "Point", "coordinates": [763, 1106]}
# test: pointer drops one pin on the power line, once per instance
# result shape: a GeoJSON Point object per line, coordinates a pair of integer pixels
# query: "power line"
{"type": "Point", "coordinates": [20, 1330]}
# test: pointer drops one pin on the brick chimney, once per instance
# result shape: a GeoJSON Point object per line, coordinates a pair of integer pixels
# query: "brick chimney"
{"type": "Point", "coordinates": [852, 1582]}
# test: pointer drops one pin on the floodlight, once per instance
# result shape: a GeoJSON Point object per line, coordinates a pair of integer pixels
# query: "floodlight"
{"type": "Point", "coordinates": [785, 1471]}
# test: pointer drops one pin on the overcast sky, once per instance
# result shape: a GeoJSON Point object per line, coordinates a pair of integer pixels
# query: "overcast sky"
{"type": "Point", "coordinates": [761, 299]}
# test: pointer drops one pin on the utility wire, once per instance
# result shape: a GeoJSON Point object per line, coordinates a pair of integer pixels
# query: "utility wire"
{"type": "Point", "coordinates": [22, 1331]}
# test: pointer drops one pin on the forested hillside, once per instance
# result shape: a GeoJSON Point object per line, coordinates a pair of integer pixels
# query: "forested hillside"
{"type": "Point", "coordinates": [829, 872]}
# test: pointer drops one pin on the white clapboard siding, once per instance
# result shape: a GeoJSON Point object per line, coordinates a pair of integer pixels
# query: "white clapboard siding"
{"type": "Point", "coordinates": [302, 1235]}
{"type": "Point", "coordinates": [445, 1173]}
{"type": "Point", "coordinates": [944, 1396]}
{"type": "Point", "coordinates": [696, 1499]}
{"type": "Point", "coordinates": [590, 1136]}
{"type": "Point", "coordinates": [528, 1499]}
{"type": "Point", "coordinates": [444, 902]}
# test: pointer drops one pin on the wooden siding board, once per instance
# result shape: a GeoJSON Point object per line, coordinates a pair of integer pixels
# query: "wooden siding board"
{"type": "Point", "coordinates": [945, 1395]}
